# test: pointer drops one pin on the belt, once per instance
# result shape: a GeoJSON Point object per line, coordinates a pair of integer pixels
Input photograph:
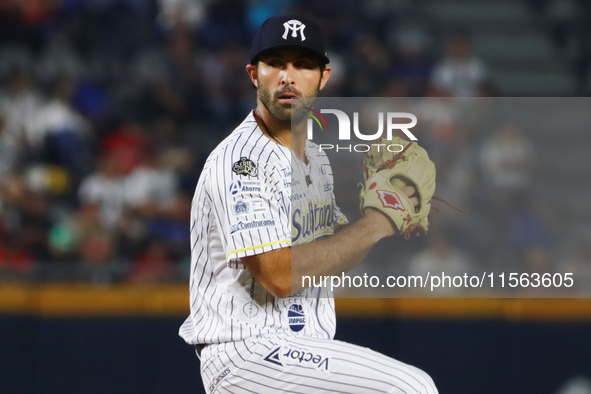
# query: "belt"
{"type": "Point", "coordinates": [199, 347]}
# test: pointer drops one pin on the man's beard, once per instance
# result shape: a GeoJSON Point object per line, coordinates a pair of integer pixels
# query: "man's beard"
{"type": "Point", "coordinates": [287, 114]}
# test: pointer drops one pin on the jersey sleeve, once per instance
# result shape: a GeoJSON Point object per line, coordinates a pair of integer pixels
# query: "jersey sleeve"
{"type": "Point", "coordinates": [339, 217]}
{"type": "Point", "coordinates": [255, 217]}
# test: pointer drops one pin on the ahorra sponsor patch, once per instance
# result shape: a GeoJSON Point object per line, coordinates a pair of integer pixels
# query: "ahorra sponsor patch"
{"type": "Point", "coordinates": [288, 355]}
{"type": "Point", "coordinates": [238, 187]}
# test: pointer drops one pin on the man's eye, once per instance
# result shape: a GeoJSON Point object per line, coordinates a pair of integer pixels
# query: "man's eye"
{"type": "Point", "coordinates": [274, 63]}
{"type": "Point", "coordinates": [304, 64]}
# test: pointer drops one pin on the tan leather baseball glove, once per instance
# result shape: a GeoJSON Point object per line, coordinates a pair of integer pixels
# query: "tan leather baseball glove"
{"type": "Point", "coordinates": [386, 173]}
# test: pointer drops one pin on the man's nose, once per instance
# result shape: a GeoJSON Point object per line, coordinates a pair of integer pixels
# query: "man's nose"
{"type": "Point", "coordinates": [287, 77]}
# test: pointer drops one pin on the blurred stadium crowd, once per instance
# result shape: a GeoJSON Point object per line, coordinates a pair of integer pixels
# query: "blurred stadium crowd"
{"type": "Point", "coordinates": [108, 109]}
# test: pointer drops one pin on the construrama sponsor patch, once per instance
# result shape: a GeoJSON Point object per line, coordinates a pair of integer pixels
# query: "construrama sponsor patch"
{"type": "Point", "coordinates": [286, 355]}
{"type": "Point", "coordinates": [240, 226]}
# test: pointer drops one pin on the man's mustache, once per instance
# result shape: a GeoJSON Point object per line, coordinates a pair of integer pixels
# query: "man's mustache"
{"type": "Point", "coordinates": [288, 90]}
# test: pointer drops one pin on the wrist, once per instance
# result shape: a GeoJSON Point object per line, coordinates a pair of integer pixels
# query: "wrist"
{"type": "Point", "coordinates": [378, 224]}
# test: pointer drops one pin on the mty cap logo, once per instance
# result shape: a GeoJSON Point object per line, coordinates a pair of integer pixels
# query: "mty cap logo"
{"type": "Point", "coordinates": [294, 26]}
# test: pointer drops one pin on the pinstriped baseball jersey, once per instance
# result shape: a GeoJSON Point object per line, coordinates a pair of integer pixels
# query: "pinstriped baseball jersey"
{"type": "Point", "coordinates": [253, 197]}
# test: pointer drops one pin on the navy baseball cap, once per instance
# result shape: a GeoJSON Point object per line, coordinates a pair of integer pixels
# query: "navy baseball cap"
{"type": "Point", "coordinates": [288, 31]}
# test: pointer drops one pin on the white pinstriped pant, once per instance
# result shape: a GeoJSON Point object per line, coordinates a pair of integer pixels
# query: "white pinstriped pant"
{"type": "Point", "coordinates": [290, 364]}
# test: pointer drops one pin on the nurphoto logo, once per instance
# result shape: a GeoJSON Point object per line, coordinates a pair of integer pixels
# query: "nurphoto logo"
{"type": "Point", "coordinates": [393, 122]}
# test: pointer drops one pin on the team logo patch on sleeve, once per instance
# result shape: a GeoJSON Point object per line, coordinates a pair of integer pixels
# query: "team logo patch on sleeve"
{"type": "Point", "coordinates": [245, 166]}
{"type": "Point", "coordinates": [296, 317]}
{"type": "Point", "coordinates": [253, 205]}
{"type": "Point", "coordinates": [241, 207]}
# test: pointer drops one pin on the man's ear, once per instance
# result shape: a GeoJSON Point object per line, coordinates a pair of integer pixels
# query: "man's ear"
{"type": "Point", "coordinates": [324, 77]}
{"type": "Point", "coordinates": [251, 69]}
